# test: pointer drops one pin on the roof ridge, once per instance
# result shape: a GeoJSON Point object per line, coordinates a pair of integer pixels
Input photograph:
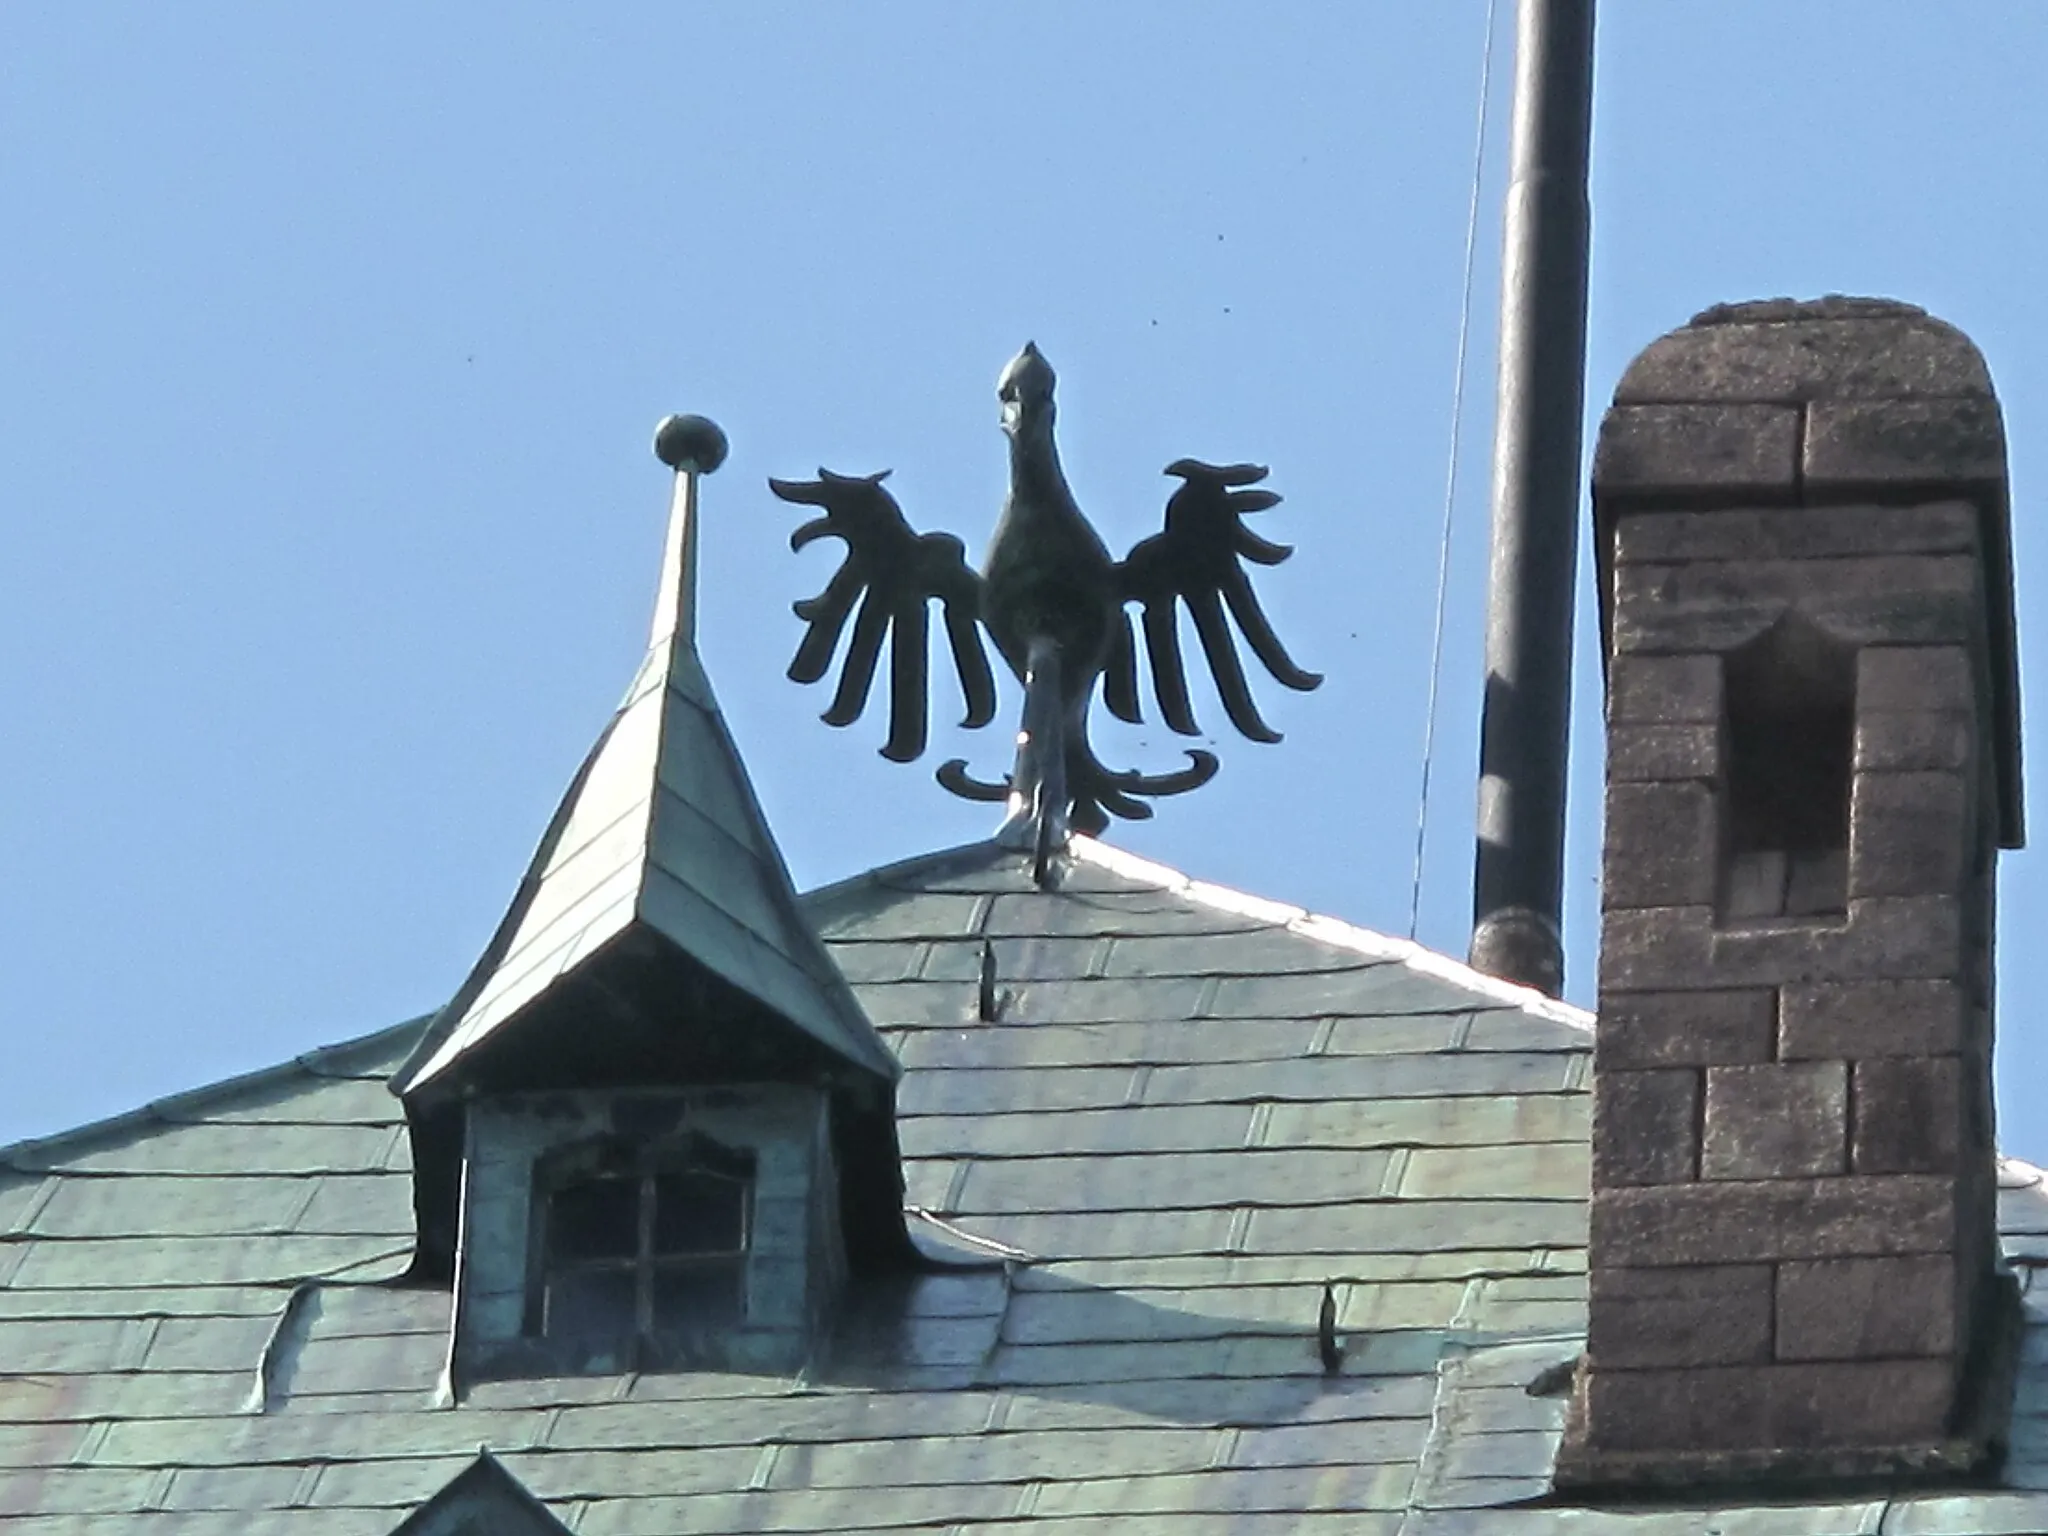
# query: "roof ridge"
{"type": "Point", "coordinates": [883, 876]}
{"type": "Point", "coordinates": [1329, 930]}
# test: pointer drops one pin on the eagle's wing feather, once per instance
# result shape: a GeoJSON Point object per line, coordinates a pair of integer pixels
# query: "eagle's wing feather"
{"type": "Point", "coordinates": [1196, 561]}
{"type": "Point", "coordinates": [893, 573]}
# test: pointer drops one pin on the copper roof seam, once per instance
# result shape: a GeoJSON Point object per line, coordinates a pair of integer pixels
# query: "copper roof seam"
{"type": "Point", "coordinates": [32, 1212]}
{"type": "Point", "coordinates": [977, 922]}
{"type": "Point", "coordinates": [313, 1183]}
{"type": "Point", "coordinates": [1261, 1122]}
{"type": "Point", "coordinates": [89, 1444]}
{"type": "Point", "coordinates": [956, 1186]}
{"type": "Point", "coordinates": [309, 1479]}
{"type": "Point", "coordinates": [1134, 1091]}
{"type": "Point", "coordinates": [160, 1491]}
{"type": "Point", "coordinates": [1395, 1174]}
{"type": "Point", "coordinates": [999, 1403]}
{"type": "Point", "coordinates": [763, 1475]}
{"type": "Point", "coordinates": [1224, 1451]}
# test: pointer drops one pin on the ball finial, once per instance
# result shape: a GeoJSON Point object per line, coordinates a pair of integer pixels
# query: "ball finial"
{"type": "Point", "coordinates": [692, 445]}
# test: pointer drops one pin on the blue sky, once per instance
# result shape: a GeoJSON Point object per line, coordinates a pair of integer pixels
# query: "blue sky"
{"type": "Point", "coordinates": [335, 337]}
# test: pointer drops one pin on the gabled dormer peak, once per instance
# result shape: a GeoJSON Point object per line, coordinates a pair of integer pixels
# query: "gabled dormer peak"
{"type": "Point", "coordinates": [653, 1129]}
{"type": "Point", "coordinates": [483, 1496]}
{"type": "Point", "coordinates": [655, 937]}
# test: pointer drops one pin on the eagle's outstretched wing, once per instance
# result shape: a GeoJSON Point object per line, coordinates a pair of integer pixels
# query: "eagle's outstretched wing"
{"type": "Point", "coordinates": [893, 573]}
{"type": "Point", "coordinates": [1196, 561]}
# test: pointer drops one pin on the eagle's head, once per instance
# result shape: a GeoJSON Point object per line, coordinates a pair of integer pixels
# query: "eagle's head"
{"type": "Point", "coordinates": [1025, 388]}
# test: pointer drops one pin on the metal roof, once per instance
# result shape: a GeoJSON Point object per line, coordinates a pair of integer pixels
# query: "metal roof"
{"type": "Point", "coordinates": [1192, 1111]}
{"type": "Point", "coordinates": [658, 862]}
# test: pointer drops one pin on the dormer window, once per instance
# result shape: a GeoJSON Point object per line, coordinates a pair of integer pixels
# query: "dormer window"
{"type": "Point", "coordinates": [640, 1239]}
{"type": "Point", "coordinates": [611, 1230]}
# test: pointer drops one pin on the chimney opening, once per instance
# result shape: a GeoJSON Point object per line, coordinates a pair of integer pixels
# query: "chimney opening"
{"type": "Point", "coordinates": [1791, 712]}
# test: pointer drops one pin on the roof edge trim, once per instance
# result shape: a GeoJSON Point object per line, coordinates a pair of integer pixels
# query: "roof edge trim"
{"type": "Point", "coordinates": [172, 1109]}
{"type": "Point", "coordinates": [1331, 930]}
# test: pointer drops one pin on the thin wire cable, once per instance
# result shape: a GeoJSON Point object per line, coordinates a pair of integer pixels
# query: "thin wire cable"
{"type": "Point", "coordinates": [1443, 559]}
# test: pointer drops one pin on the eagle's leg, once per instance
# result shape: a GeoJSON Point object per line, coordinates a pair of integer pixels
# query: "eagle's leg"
{"type": "Point", "coordinates": [1038, 784]}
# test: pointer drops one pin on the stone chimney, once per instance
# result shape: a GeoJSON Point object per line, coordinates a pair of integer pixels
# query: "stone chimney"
{"type": "Point", "coordinates": [1812, 759]}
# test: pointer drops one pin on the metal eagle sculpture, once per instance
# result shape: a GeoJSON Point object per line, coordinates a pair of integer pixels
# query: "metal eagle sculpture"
{"type": "Point", "coordinates": [1055, 603]}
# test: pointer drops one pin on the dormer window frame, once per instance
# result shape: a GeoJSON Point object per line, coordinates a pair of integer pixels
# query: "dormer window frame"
{"type": "Point", "coordinates": [523, 1149]}
{"type": "Point", "coordinates": [652, 1166]}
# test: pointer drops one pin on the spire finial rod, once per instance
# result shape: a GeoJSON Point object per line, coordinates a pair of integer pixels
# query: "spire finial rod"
{"type": "Point", "coordinates": [692, 446]}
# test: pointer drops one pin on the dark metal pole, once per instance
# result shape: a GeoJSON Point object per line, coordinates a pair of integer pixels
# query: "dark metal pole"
{"type": "Point", "coordinates": [1518, 886]}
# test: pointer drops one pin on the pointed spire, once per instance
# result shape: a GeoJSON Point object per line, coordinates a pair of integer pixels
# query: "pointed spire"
{"type": "Point", "coordinates": [656, 935]}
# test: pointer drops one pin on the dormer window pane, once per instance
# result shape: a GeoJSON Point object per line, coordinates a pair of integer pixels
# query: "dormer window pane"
{"type": "Point", "coordinates": [589, 1303]}
{"type": "Point", "coordinates": [637, 1239]}
{"type": "Point", "coordinates": [697, 1295]}
{"type": "Point", "coordinates": [595, 1219]}
{"type": "Point", "coordinates": [699, 1213]}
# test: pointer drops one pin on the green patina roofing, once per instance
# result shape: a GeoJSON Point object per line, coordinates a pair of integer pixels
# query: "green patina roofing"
{"type": "Point", "coordinates": [659, 838]}
{"type": "Point", "coordinates": [1193, 1110]}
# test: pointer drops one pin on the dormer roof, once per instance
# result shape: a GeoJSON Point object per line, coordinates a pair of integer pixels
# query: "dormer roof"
{"type": "Point", "coordinates": [655, 934]}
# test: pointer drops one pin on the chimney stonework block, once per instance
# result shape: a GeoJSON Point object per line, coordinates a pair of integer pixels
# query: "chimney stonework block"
{"type": "Point", "coordinates": [1645, 1126]}
{"type": "Point", "coordinates": [1681, 588]}
{"type": "Point", "coordinates": [1917, 739]}
{"type": "Point", "coordinates": [1664, 690]}
{"type": "Point", "coordinates": [1685, 1029]}
{"type": "Point", "coordinates": [1766, 1220]}
{"type": "Point", "coordinates": [1855, 1309]}
{"type": "Point", "coordinates": [1858, 446]}
{"type": "Point", "coordinates": [1813, 755]}
{"type": "Point", "coordinates": [1783, 1120]}
{"type": "Point", "coordinates": [1909, 834]}
{"type": "Point", "coordinates": [1653, 753]}
{"type": "Point", "coordinates": [1747, 533]}
{"type": "Point", "coordinates": [1909, 1115]}
{"type": "Point", "coordinates": [1656, 949]}
{"type": "Point", "coordinates": [1715, 606]}
{"type": "Point", "coordinates": [1660, 849]}
{"type": "Point", "coordinates": [1858, 1020]}
{"type": "Point", "coordinates": [1780, 1407]}
{"type": "Point", "coordinates": [1729, 450]}
{"type": "Point", "coordinates": [1902, 677]}
{"type": "Point", "coordinates": [1712, 1314]}
{"type": "Point", "coordinates": [1940, 617]}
